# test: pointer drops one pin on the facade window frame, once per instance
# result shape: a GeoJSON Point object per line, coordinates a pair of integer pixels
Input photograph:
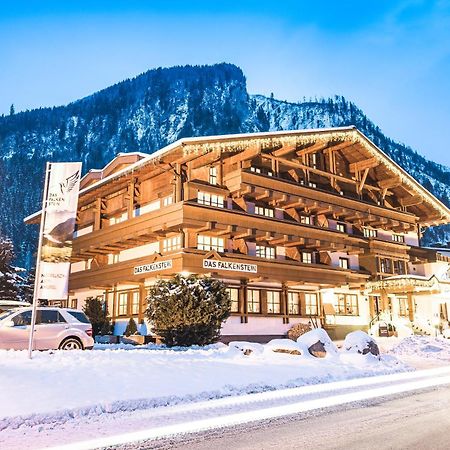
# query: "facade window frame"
{"type": "Point", "coordinates": [273, 302]}
{"type": "Point", "coordinates": [253, 301]}
{"type": "Point", "coordinates": [347, 304]}
{"type": "Point", "coordinates": [208, 243]}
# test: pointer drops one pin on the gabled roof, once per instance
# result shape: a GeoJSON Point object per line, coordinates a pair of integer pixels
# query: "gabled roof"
{"type": "Point", "coordinates": [360, 152]}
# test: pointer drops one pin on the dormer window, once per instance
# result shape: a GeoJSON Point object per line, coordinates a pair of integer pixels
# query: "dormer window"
{"type": "Point", "coordinates": [342, 227]}
{"type": "Point", "coordinates": [306, 220]}
{"type": "Point", "coordinates": [307, 258]}
{"type": "Point", "coordinates": [263, 251]}
{"type": "Point", "coordinates": [370, 232]}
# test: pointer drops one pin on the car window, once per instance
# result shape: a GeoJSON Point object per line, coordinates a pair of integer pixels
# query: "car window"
{"type": "Point", "coordinates": [46, 316]}
{"type": "Point", "coordinates": [5, 314]}
{"type": "Point", "coordinates": [79, 315]}
{"type": "Point", "coordinates": [22, 319]}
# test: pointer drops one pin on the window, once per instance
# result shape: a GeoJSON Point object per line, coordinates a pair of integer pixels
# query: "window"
{"type": "Point", "coordinates": [311, 184]}
{"type": "Point", "coordinates": [265, 252]}
{"type": "Point", "coordinates": [344, 263]}
{"type": "Point", "coordinates": [210, 243]}
{"type": "Point", "coordinates": [261, 170]}
{"type": "Point", "coordinates": [172, 243]}
{"type": "Point", "coordinates": [293, 303]}
{"type": "Point", "coordinates": [74, 303]}
{"type": "Point", "coordinates": [135, 302]}
{"type": "Point", "coordinates": [307, 258]}
{"type": "Point", "coordinates": [114, 258]}
{"type": "Point", "coordinates": [205, 198]}
{"type": "Point", "coordinates": [311, 304]}
{"type": "Point", "coordinates": [370, 232]}
{"type": "Point", "coordinates": [123, 304]}
{"type": "Point", "coordinates": [403, 309]}
{"type": "Point", "coordinates": [312, 160]}
{"type": "Point", "coordinates": [273, 302]}
{"type": "Point", "coordinates": [262, 211]}
{"type": "Point", "coordinates": [118, 219]}
{"type": "Point", "coordinates": [167, 200]}
{"type": "Point", "coordinates": [22, 319]}
{"type": "Point", "coordinates": [386, 265]}
{"type": "Point", "coordinates": [306, 220]}
{"type": "Point", "coordinates": [48, 316]}
{"type": "Point", "coordinates": [255, 169]}
{"type": "Point", "coordinates": [234, 295]}
{"type": "Point", "coordinates": [398, 238]}
{"type": "Point", "coordinates": [342, 227]}
{"type": "Point", "coordinates": [347, 304]}
{"type": "Point", "coordinates": [213, 175]}
{"type": "Point", "coordinates": [80, 316]}
{"type": "Point", "coordinates": [399, 267]}
{"type": "Point", "coordinates": [253, 301]}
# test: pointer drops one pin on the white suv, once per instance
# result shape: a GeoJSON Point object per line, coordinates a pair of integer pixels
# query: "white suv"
{"type": "Point", "coordinates": [56, 328]}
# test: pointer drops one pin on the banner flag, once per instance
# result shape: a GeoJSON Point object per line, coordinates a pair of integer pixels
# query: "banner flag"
{"type": "Point", "coordinates": [57, 230]}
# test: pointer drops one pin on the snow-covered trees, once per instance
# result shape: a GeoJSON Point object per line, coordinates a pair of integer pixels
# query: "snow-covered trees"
{"type": "Point", "coordinates": [131, 328]}
{"type": "Point", "coordinates": [188, 311]}
{"type": "Point", "coordinates": [12, 279]}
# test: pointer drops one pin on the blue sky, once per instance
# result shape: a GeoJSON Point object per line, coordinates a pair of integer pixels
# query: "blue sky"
{"type": "Point", "coordinates": [392, 58]}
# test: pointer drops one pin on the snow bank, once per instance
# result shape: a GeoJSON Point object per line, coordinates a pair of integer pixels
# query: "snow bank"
{"type": "Point", "coordinates": [423, 347]}
{"type": "Point", "coordinates": [55, 387]}
{"type": "Point", "coordinates": [360, 342]}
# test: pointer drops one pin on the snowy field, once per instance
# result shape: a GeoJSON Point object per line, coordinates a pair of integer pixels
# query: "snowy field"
{"type": "Point", "coordinates": [56, 387]}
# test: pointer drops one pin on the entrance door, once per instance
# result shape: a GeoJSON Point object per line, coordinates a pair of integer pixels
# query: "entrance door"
{"type": "Point", "coordinates": [375, 305]}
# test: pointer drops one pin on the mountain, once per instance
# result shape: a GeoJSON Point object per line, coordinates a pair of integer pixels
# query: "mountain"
{"type": "Point", "coordinates": [154, 109]}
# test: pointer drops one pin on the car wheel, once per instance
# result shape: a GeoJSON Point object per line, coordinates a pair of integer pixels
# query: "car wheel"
{"type": "Point", "coordinates": [71, 344]}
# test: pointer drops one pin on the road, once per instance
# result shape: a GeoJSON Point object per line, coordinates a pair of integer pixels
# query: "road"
{"type": "Point", "coordinates": [401, 410]}
{"type": "Point", "coordinates": [418, 420]}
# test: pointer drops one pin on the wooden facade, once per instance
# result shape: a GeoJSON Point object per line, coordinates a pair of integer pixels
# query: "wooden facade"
{"type": "Point", "coordinates": [296, 223]}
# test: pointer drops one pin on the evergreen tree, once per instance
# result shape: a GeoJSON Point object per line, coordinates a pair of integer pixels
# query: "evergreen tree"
{"type": "Point", "coordinates": [11, 278]}
{"type": "Point", "coordinates": [97, 312]}
{"type": "Point", "coordinates": [12, 110]}
{"type": "Point", "coordinates": [131, 328]}
{"type": "Point", "coordinates": [188, 311]}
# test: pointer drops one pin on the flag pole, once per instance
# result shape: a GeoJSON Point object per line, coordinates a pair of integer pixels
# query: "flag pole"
{"type": "Point", "coordinates": [37, 275]}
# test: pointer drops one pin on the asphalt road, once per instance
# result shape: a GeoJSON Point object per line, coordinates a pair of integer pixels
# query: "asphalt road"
{"type": "Point", "coordinates": [419, 420]}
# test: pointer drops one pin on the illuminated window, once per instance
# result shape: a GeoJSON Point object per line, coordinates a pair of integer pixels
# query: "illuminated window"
{"type": "Point", "coordinates": [307, 258]}
{"type": "Point", "coordinates": [234, 295]}
{"type": "Point", "coordinates": [273, 302]}
{"type": "Point", "coordinates": [122, 304]}
{"type": "Point", "coordinates": [255, 169]}
{"type": "Point", "coordinates": [172, 243]}
{"type": "Point", "coordinates": [311, 184]}
{"type": "Point", "coordinates": [398, 238]}
{"type": "Point", "coordinates": [205, 198]}
{"type": "Point", "coordinates": [135, 302]}
{"type": "Point", "coordinates": [344, 263]}
{"type": "Point", "coordinates": [313, 160]}
{"type": "Point", "coordinates": [293, 303]}
{"type": "Point", "coordinates": [253, 301]}
{"type": "Point", "coordinates": [370, 232]}
{"type": "Point", "coordinates": [114, 258]}
{"type": "Point", "coordinates": [347, 304]}
{"type": "Point", "coordinates": [342, 227]}
{"type": "Point", "coordinates": [210, 243]}
{"type": "Point", "coordinates": [213, 175]}
{"type": "Point", "coordinates": [311, 304]}
{"type": "Point", "coordinates": [263, 251]}
{"type": "Point", "coordinates": [262, 211]}
{"type": "Point", "coordinates": [306, 220]}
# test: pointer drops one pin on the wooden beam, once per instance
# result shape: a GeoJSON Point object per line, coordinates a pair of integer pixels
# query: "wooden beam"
{"type": "Point", "coordinates": [411, 201]}
{"type": "Point", "coordinates": [389, 183]}
{"type": "Point", "coordinates": [363, 165]}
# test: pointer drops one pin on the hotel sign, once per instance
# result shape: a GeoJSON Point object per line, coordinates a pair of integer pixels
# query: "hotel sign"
{"type": "Point", "coordinates": [153, 267]}
{"type": "Point", "coordinates": [215, 264]}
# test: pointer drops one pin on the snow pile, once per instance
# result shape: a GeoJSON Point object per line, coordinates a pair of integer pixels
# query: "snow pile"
{"type": "Point", "coordinates": [247, 348]}
{"type": "Point", "coordinates": [307, 340]}
{"type": "Point", "coordinates": [55, 387]}
{"type": "Point", "coordinates": [435, 349]}
{"type": "Point", "coordinates": [360, 342]}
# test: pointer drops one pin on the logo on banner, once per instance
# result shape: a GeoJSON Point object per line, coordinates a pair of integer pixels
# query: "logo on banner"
{"type": "Point", "coordinates": [57, 231]}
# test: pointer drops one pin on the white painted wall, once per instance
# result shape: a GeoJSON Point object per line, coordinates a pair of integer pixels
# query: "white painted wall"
{"type": "Point", "coordinates": [258, 325]}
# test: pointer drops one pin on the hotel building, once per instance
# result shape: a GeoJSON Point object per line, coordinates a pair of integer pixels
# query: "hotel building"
{"type": "Point", "coordinates": [313, 226]}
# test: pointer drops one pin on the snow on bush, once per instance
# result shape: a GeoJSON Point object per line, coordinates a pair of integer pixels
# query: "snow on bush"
{"type": "Point", "coordinates": [360, 342]}
{"type": "Point", "coordinates": [318, 335]}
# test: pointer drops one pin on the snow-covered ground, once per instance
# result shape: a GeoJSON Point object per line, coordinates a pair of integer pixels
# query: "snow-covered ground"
{"type": "Point", "coordinates": [56, 388]}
